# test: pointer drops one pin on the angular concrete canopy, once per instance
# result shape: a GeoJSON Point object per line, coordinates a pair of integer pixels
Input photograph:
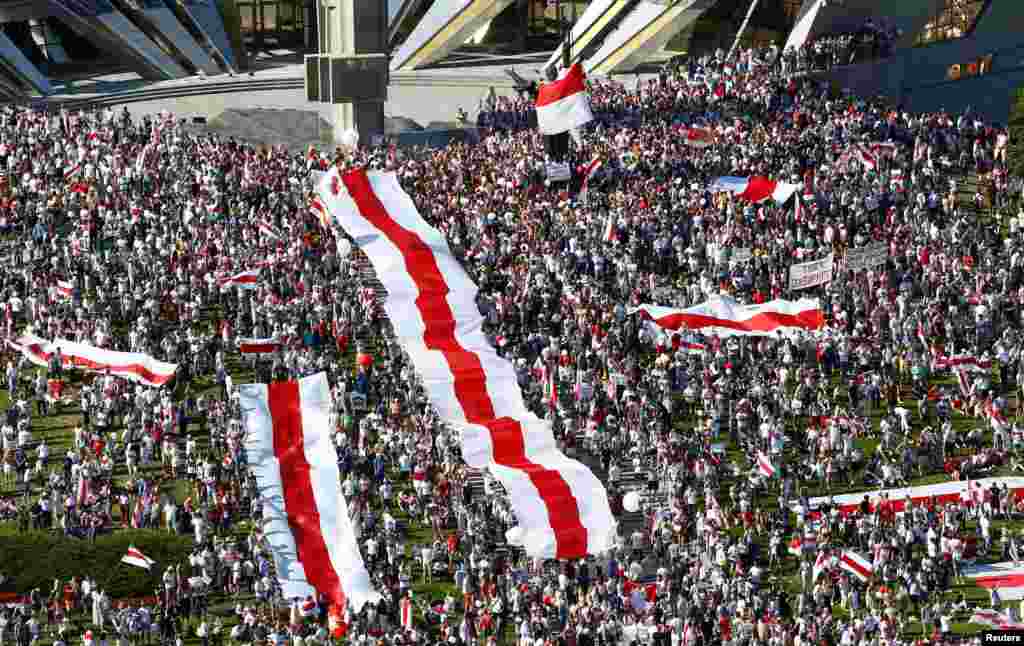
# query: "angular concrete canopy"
{"type": "Point", "coordinates": [446, 25]}
{"type": "Point", "coordinates": [163, 21]}
{"type": "Point", "coordinates": [643, 33]}
{"type": "Point", "coordinates": [597, 19]}
{"type": "Point", "coordinates": [18, 66]}
{"type": "Point", "coordinates": [207, 19]}
{"type": "Point", "coordinates": [110, 30]}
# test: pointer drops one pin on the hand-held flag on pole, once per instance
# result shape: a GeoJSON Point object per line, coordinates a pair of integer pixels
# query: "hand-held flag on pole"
{"type": "Point", "coordinates": [564, 104]}
{"type": "Point", "coordinates": [856, 565]}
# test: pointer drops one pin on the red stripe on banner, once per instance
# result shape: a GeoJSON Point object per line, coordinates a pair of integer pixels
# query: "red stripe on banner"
{"type": "Point", "coordinates": [470, 380]}
{"type": "Point", "coordinates": [257, 348]}
{"type": "Point", "coordinates": [572, 83]}
{"type": "Point", "coordinates": [1000, 581]}
{"type": "Point", "coordinates": [299, 503]}
{"type": "Point", "coordinates": [761, 322]}
{"type": "Point", "coordinates": [70, 360]}
{"type": "Point", "coordinates": [758, 188]}
{"type": "Point", "coordinates": [854, 566]}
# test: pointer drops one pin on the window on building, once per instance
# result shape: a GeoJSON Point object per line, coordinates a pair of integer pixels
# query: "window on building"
{"type": "Point", "coordinates": [978, 67]}
{"type": "Point", "coordinates": [792, 8]}
{"type": "Point", "coordinates": [954, 20]}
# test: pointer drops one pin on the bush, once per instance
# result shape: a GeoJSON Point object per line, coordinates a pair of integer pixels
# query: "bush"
{"type": "Point", "coordinates": [1015, 153]}
{"type": "Point", "coordinates": [35, 559]}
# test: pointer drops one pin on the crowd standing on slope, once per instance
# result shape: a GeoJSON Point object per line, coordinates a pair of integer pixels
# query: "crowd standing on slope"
{"type": "Point", "coordinates": [142, 219]}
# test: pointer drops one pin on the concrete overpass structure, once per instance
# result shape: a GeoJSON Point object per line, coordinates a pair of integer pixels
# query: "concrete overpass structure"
{"type": "Point", "coordinates": [157, 39]}
{"type": "Point", "coordinates": [972, 54]}
{"type": "Point", "coordinates": [445, 26]}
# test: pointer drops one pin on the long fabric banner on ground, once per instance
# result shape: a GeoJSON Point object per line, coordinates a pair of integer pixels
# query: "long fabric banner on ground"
{"type": "Point", "coordinates": [306, 519]}
{"type": "Point", "coordinates": [135, 366]}
{"type": "Point", "coordinates": [1007, 577]}
{"type": "Point", "coordinates": [561, 506]}
{"type": "Point", "coordinates": [944, 492]}
{"type": "Point", "coordinates": [723, 316]}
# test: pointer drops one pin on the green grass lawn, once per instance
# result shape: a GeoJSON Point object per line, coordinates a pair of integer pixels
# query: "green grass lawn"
{"type": "Point", "coordinates": [35, 559]}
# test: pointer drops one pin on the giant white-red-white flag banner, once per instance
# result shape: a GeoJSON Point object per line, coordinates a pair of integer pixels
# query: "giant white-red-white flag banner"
{"type": "Point", "coordinates": [137, 367]}
{"type": "Point", "coordinates": [724, 316]}
{"type": "Point", "coordinates": [243, 280]}
{"type": "Point", "coordinates": [288, 444]}
{"type": "Point", "coordinates": [561, 506]}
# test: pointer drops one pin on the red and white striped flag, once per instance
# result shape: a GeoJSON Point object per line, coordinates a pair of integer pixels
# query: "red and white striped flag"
{"type": "Point", "coordinates": [140, 161]}
{"type": "Point", "coordinates": [764, 465]}
{"type": "Point", "coordinates": [553, 389]}
{"type": "Point", "coordinates": [699, 138]}
{"type": "Point", "coordinates": [689, 347]}
{"type": "Point", "coordinates": [137, 558]}
{"type": "Point", "coordinates": [268, 230]}
{"type": "Point", "coordinates": [564, 104]}
{"type": "Point", "coordinates": [963, 362]}
{"type": "Point", "coordinates": [258, 346]}
{"type": "Point", "coordinates": [244, 280]}
{"type": "Point", "coordinates": [1006, 576]}
{"type": "Point", "coordinates": [316, 207]}
{"type": "Point", "coordinates": [407, 613]}
{"type": "Point", "coordinates": [609, 229]}
{"type": "Point", "coordinates": [65, 288]}
{"type": "Point", "coordinates": [856, 565]}
{"type": "Point", "coordinates": [964, 383]}
{"type": "Point", "coordinates": [308, 527]}
{"type": "Point", "coordinates": [587, 172]}
{"type": "Point", "coordinates": [71, 171]}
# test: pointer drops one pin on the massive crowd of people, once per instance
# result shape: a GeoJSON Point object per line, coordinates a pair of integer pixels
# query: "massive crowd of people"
{"type": "Point", "coordinates": [142, 218]}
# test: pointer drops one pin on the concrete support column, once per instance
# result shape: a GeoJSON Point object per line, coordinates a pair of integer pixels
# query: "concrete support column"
{"type": "Point", "coordinates": [340, 38]}
{"type": "Point", "coordinates": [47, 41]}
{"type": "Point", "coordinates": [366, 118]}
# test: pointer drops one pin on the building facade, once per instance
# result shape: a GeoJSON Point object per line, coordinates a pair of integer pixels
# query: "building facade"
{"type": "Point", "coordinates": [953, 55]}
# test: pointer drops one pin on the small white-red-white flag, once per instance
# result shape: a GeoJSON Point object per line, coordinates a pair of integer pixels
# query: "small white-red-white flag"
{"type": "Point", "coordinates": [244, 280]}
{"type": "Point", "coordinates": [137, 558]}
{"type": "Point", "coordinates": [856, 565]}
{"type": "Point", "coordinates": [699, 138]}
{"type": "Point", "coordinates": [258, 346]}
{"type": "Point", "coordinates": [609, 228]}
{"type": "Point", "coordinates": [587, 172]}
{"type": "Point", "coordinates": [764, 465]}
{"type": "Point", "coordinates": [65, 288]}
{"type": "Point", "coordinates": [407, 613]}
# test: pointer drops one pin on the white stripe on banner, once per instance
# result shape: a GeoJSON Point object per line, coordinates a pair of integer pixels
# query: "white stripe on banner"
{"type": "Point", "coordinates": [1007, 577]}
{"type": "Point", "coordinates": [560, 505]}
{"type": "Point", "coordinates": [943, 492]}
{"type": "Point", "coordinates": [307, 521]}
{"type": "Point", "coordinates": [135, 366]}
